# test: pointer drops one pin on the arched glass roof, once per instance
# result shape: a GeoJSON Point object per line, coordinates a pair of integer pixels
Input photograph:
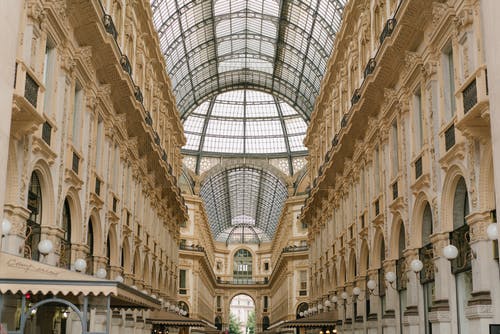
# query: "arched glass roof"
{"type": "Point", "coordinates": [244, 122]}
{"type": "Point", "coordinates": [277, 46]}
{"type": "Point", "coordinates": [244, 204]}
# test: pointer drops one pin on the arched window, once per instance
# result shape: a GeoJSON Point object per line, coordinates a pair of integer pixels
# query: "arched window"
{"type": "Point", "coordinates": [108, 257]}
{"type": "Point", "coordinates": [34, 222]}
{"type": "Point", "coordinates": [65, 252]}
{"type": "Point", "coordinates": [401, 274]}
{"type": "Point", "coordinates": [461, 266]}
{"type": "Point", "coordinates": [90, 246]}
{"type": "Point", "coordinates": [426, 255]}
{"type": "Point", "coordinates": [265, 323]}
{"type": "Point", "coordinates": [300, 309]}
{"type": "Point", "coordinates": [242, 271]}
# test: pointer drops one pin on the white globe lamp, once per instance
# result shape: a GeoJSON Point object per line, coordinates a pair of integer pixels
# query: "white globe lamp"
{"type": "Point", "coordinates": [335, 299]}
{"type": "Point", "coordinates": [6, 226]}
{"type": "Point", "coordinates": [301, 314]}
{"type": "Point", "coordinates": [119, 278]}
{"type": "Point", "coordinates": [80, 265]}
{"type": "Point", "coordinates": [416, 265]}
{"type": "Point", "coordinates": [356, 291]}
{"type": "Point", "coordinates": [328, 303]}
{"type": "Point", "coordinates": [344, 295]}
{"type": "Point", "coordinates": [390, 276]}
{"type": "Point", "coordinates": [450, 252]}
{"type": "Point", "coordinates": [371, 285]}
{"type": "Point", "coordinates": [45, 246]}
{"type": "Point", "coordinates": [492, 231]}
{"type": "Point", "coordinates": [101, 273]}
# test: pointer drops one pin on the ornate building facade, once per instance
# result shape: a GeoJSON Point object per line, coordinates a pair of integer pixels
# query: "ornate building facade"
{"type": "Point", "coordinates": [402, 167]}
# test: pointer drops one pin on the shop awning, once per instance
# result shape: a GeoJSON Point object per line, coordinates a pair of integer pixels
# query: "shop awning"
{"type": "Point", "coordinates": [20, 275]}
{"type": "Point", "coordinates": [174, 320]}
{"type": "Point", "coordinates": [325, 319]}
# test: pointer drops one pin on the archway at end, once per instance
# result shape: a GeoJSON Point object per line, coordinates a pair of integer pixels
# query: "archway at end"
{"type": "Point", "coordinates": [242, 315]}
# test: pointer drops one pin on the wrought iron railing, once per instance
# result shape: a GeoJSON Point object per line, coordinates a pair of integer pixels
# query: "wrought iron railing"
{"type": "Point", "coordinates": [401, 275]}
{"type": "Point", "coordinates": [65, 254]}
{"type": "Point", "coordinates": [31, 240]}
{"type": "Point", "coordinates": [418, 168]}
{"type": "Point", "coordinates": [460, 238]}
{"type": "Point", "coordinates": [449, 137]}
{"type": "Point", "coordinates": [97, 186]}
{"type": "Point", "coordinates": [370, 67]}
{"type": "Point", "coordinates": [31, 90]}
{"type": "Point", "coordinates": [125, 63]}
{"type": "Point", "coordinates": [426, 255]}
{"type": "Point", "coordinates": [395, 192]}
{"type": "Point", "coordinates": [293, 248]}
{"type": "Point", "coordinates": [355, 97]}
{"type": "Point", "coordinates": [156, 138]}
{"type": "Point", "coordinates": [243, 281]}
{"type": "Point", "coordinates": [46, 132]}
{"type": "Point", "coordinates": [75, 163]}
{"type": "Point", "coordinates": [195, 248]}
{"type": "Point", "coordinates": [345, 119]}
{"type": "Point", "coordinates": [469, 95]}
{"type": "Point", "coordinates": [335, 140]}
{"type": "Point", "coordinates": [148, 119]}
{"type": "Point", "coordinates": [388, 29]}
{"type": "Point", "coordinates": [138, 94]}
{"type": "Point", "coordinates": [110, 26]}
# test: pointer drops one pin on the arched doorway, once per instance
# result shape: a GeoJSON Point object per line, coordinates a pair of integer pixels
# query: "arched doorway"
{"type": "Point", "coordinates": [242, 315]}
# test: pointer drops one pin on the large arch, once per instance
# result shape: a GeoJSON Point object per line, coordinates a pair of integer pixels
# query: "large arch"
{"type": "Point", "coordinates": [364, 258]}
{"type": "Point", "coordinates": [379, 249]}
{"type": "Point", "coordinates": [113, 246]}
{"type": "Point", "coordinates": [421, 202]}
{"type": "Point", "coordinates": [42, 169]}
{"type": "Point", "coordinates": [394, 248]}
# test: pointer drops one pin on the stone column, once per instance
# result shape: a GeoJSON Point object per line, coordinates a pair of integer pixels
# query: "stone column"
{"type": "Point", "coordinates": [491, 25]}
{"type": "Point", "coordinates": [391, 297]}
{"type": "Point", "coordinates": [10, 19]}
{"type": "Point", "coordinates": [481, 306]}
{"type": "Point", "coordinates": [411, 318]}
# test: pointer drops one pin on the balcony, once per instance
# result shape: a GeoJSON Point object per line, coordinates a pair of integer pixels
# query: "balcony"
{"type": "Point", "coordinates": [292, 249]}
{"type": "Point", "coordinates": [243, 281]}
{"type": "Point", "coordinates": [27, 101]}
{"type": "Point", "coordinates": [138, 94]}
{"type": "Point", "coordinates": [355, 97]}
{"type": "Point", "coordinates": [194, 248]}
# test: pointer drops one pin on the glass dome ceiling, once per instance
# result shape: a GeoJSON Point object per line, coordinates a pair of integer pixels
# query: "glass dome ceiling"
{"type": "Point", "coordinates": [278, 46]}
{"type": "Point", "coordinates": [245, 122]}
{"type": "Point", "coordinates": [243, 204]}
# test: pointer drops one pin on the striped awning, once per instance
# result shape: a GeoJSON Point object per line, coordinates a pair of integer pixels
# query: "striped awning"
{"type": "Point", "coordinates": [324, 319]}
{"type": "Point", "coordinates": [174, 320]}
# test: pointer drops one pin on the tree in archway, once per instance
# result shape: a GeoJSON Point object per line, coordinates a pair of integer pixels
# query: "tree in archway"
{"type": "Point", "coordinates": [234, 324]}
{"type": "Point", "coordinates": [251, 323]}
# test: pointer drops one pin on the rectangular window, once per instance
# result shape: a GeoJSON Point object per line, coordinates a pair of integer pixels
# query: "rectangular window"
{"type": "Point", "coordinates": [77, 117]}
{"type": "Point", "coordinates": [303, 283]}
{"type": "Point", "coordinates": [182, 282]}
{"type": "Point", "coordinates": [448, 82]}
{"type": "Point", "coordinates": [266, 266]}
{"type": "Point", "coordinates": [98, 147]}
{"type": "Point", "coordinates": [395, 148]}
{"type": "Point", "coordinates": [377, 170]}
{"type": "Point", "coordinates": [219, 302]}
{"type": "Point", "coordinates": [417, 115]}
{"type": "Point", "coordinates": [48, 75]}
{"type": "Point", "coordinates": [266, 303]}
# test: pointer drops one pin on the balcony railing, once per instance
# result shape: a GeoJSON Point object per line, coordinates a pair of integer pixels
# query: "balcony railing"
{"type": "Point", "coordinates": [243, 281]}
{"type": "Point", "coordinates": [345, 119]}
{"type": "Point", "coordinates": [469, 95]}
{"type": "Point", "coordinates": [370, 67]}
{"type": "Point", "coordinates": [110, 26]}
{"type": "Point", "coordinates": [418, 168]}
{"type": "Point", "coordinates": [426, 255]}
{"type": "Point", "coordinates": [156, 138]}
{"type": "Point", "coordinates": [449, 137]}
{"type": "Point", "coordinates": [46, 132]}
{"type": "Point", "coordinates": [138, 94]}
{"type": "Point", "coordinates": [75, 163]}
{"type": "Point", "coordinates": [293, 248]}
{"type": "Point", "coordinates": [355, 97]}
{"type": "Point", "coordinates": [148, 119]}
{"type": "Point", "coordinates": [388, 29]}
{"type": "Point", "coordinates": [194, 248]}
{"type": "Point", "coordinates": [395, 192]}
{"type": "Point", "coordinates": [125, 63]}
{"type": "Point", "coordinates": [31, 90]}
